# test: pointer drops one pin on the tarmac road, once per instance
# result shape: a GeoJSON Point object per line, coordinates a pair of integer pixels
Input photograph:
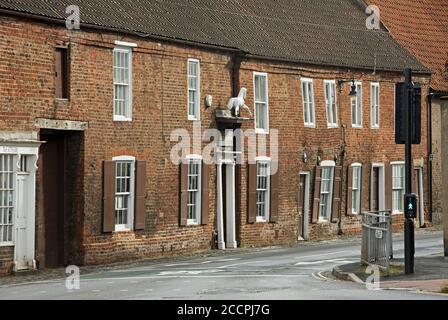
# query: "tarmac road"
{"type": "Point", "coordinates": [301, 272]}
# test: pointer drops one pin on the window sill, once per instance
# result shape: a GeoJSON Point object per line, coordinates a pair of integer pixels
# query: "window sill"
{"type": "Point", "coordinates": [193, 224]}
{"type": "Point", "coordinates": [261, 131]}
{"type": "Point", "coordinates": [119, 229]}
{"type": "Point", "coordinates": [62, 99]}
{"type": "Point", "coordinates": [322, 221]}
{"type": "Point", "coordinates": [122, 119]}
{"type": "Point", "coordinates": [311, 126]}
{"type": "Point", "coordinates": [6, 244]}
{"type": "Point", "coordinates": [333, 126]}
{"type": "Point", "coordinates": [397, 213]}
{"type": "Point", "coordinates": [375, 127]}
{"type": "Point", "coordinates": [356, 127]}
{"type": "Point", "coordinates": [261, 220]}
{"type": "Point", "coordinates": [190, 118]}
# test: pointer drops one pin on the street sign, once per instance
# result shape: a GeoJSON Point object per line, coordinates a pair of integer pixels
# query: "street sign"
{"type": "Point", "coordinates": [400, 112]}
{"type": "Point", "coordinates": [410, 206]}
{"type": "Point", "coordinates": [379, 234]}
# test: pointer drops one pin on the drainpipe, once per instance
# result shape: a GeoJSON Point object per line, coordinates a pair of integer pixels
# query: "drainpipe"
{"type": "Point", "coordinates": [430, 155]}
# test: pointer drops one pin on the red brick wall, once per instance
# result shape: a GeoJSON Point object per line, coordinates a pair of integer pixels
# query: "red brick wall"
{"type": "Point", "coordinates": [159, 107]}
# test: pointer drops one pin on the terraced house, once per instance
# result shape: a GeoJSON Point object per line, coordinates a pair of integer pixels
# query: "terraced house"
{"type": "Point", "coordinates": [87, 116]}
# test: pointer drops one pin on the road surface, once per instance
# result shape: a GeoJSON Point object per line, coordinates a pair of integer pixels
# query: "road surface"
{"type": "Point", "coordinates": [301, 272]}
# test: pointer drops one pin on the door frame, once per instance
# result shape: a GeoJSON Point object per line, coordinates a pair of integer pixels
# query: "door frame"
{"type": "Point", "coordinates": [421, 209]}
{"type": "Point", "coordinates": [306, 205]}
{"type": "Point", "coordinates": [382, 185]}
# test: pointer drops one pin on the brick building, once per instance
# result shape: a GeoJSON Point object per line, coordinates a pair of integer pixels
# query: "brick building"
{"type": "Point", "coordinates": [88, 115]}
{"type": "Point", "coordinates": [427, 41]}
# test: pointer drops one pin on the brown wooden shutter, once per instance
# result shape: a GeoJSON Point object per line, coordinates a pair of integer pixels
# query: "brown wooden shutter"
{"type": "Point", "coordinates": [388, 186]}
{"type": "Point", "coordinates": [183, 219]}
{"type": "Point", "coordinates": [140, 195]}
{"type": "Point", "coordinates": [61, 73]}
{"type": "Point", "coordinates": [349, 190]}
{"type": "Point", "coordinates": [205, 182]}
{"type": "Point", "coordinates": [108, 196]}
{"type": "Point", "coordinates": [252, 193]}
{"type": "Point", "coordinates": [365, 188]}
{"type": "Point", "coordinates": [316, 201]}
{"type": "Point", "coordinates": [273, 217]}
{"type": "Point", "coordinates": [337, 189]}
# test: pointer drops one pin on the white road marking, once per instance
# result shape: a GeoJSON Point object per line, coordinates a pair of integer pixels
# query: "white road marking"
{"type": "Point", "coordinates": [323, 254]}
{"type": "Point", "coordinates": [242, 263]}
{"type": "Point", "coordinates": [200, 263]}
{"type": "Point", "coordinates": [339, 261]}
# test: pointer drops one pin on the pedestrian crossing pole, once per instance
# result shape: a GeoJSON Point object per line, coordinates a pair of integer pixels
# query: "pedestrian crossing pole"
{"type": "Point", "coordinates": [409, 239]}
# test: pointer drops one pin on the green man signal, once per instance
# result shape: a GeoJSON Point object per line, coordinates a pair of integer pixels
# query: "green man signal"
{"type": "Point", "coordinates": [410, 204]}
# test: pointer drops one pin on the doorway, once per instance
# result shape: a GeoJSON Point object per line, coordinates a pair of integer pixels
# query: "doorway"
{"type": "Point", "coordinates": [303, 205]}
{"type": "Point", "coordinates": [53, 192]}
{"type": "Point", "coordinates": [418, 189]}
{"type": "Point", "coordinates": [60, 197]}
{"type": "Point", "coordinates": [377, 188]}
{"type": "Point", "coordinates": [24, 239]}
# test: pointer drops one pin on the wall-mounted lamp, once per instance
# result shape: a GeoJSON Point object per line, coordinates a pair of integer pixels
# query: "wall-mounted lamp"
{"type": "Point", "coordinates": [305, 157]}
{"type": "Point", "coordinates": [352, 87]}
{"type": "Point", "coordinates": [208, 101]}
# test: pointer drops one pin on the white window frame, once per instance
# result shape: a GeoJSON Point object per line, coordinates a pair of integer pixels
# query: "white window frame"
{"type": "Point", "coordinates": [327, 165]}
{"type": "Point", "coordinates": [358, 101]}
{"type": "Point", "coordinates": [374, 107]}
{"type": "Point", "coordinates": [398, 163]}
{"type": "Point", "coordinates": [197, 91]}
{"type": "Point", "coordinates": [267, 191]}
{"type": "Point", "coordinates": [197, 220]}
{"type": "Point", "coordinates": [266, 103]}
{"type": "Point", "coordinates": [14, 202]}
{"type": "Point", "coordinates": [311, 111]}
{"type": "Point", "coordinates": [358, 167]}
{"type": "Point", "coordinates": [329, 103]}
{"type": "Point", "coordinates": [128, 107]}
{"type": "Point", "coordinates": [130, 225]}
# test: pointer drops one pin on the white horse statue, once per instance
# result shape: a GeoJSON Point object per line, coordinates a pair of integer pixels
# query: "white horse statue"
{"type": "Point", "coordinates": [235, 104]}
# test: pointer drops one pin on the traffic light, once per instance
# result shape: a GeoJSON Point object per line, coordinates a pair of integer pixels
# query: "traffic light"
{"type": "Point", "coordinates": [400, 115]}
{"type": "Point", "coordinates": [410, 206]}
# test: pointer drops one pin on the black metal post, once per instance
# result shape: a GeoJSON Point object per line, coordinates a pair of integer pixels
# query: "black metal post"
{"type": "Point", "coordinates": [409, 242]}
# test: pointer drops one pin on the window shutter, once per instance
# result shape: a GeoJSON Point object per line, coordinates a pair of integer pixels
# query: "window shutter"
{"type": "Point", "coordinates": [365, 192]}
{"type": "Point", "coordinates": [183, 193]}
{"type": "Point", "coordinates": [205, 193]}
{"type": "Point", "coordinates": [252, 193]}
{"type": "Point", "coordinates": [337, 186]}
{"type": "Point", "coordinates": [388, 186]}
{"type": "Point", "coordinates": [349, 190]}
{"type": "Point", "coordinates": [273, 217]}
{"type": "Point", "coordinates": [140, 195]}
{"type": "Point", "coordinates": [61, 73]}
{"type": "Point", "coordinates": [108, 196]}
{"type": "Point", "coordinates": [316, 201]}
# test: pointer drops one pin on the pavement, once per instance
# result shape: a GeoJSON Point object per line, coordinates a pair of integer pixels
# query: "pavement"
{"type": "Point", "coordinates": [431, 274]}
{"type": "Point", "coordinates": [299, 272]}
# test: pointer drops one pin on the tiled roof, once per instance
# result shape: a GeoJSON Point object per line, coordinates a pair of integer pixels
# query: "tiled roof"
{"type": "Point", "coordinates": [421, 27]}
{"type": "Point", "coordinates": [325, 32]}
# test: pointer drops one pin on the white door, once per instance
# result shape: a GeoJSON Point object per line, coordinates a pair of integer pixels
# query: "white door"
{"type": "Point", "coordinates": [23, 259]}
